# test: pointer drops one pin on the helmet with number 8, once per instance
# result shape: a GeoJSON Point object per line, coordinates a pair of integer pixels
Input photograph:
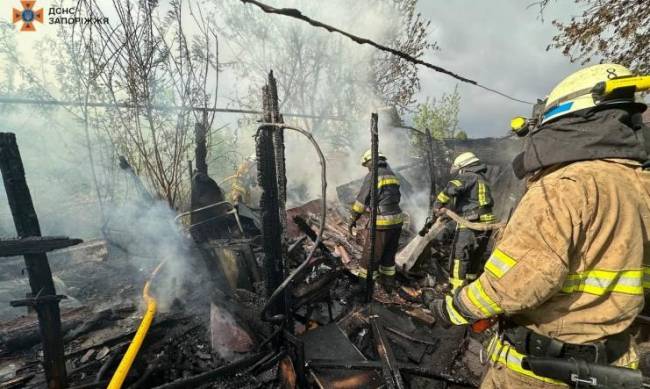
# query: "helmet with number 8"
{"type": "Point", "coordinates": [575, 92]}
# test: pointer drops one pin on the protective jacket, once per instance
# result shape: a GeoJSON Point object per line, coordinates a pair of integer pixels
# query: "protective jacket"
{"type": "Point", "coordinates": [389, 214]}
{"type": "Point", "coordinates": [242, 182]}
{"type": "Point", "coordinates": [573, 261]}
{"type": "Point", "coordinates": [472, 194]}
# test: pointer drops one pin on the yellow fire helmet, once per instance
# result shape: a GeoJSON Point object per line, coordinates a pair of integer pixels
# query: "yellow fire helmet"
{"type": "Point", "coordinates": [367, 157]}
{"type": "Point", "coordinates": [465, 159]}
{"type": "Point", "coordinates": [576, 92]}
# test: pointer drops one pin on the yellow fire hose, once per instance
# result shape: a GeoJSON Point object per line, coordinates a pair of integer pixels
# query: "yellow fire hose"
{"type": "Point", "coordinates": [127, 360]}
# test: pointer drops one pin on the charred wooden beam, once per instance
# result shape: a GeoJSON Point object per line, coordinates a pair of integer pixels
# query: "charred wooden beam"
{"type": "Point", "coordinates": [223, 371]}
{"type": "Point", "coordinates": [312, 235]}
{"type": "Point", "coordinates": [200, 143]}
{"type": "Point", "coordinates": [272, 114]}
{"type": "Point", "coordinates": [406, 368]}
{"type": "Point", "coordinates": [17, 382]}
{"type": "Point", "coordinates": [374, 147]}
{"type": "Point", "coordinates": [34, 245]}
{"type": "Point", "coordinates": [278, 144]}
{"type": "Point", "coordinates": [269, 204]}
{"type": "Point", "coordinates": [36, 301]}
{"type": "Point", "coordinates": [297, 354]}
{"type": "Point", "coordinates": [390, 368]}
{"type": "Point", "coordinates": [38, 268]}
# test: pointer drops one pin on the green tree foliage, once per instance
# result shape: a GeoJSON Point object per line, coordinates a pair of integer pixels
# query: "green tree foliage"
{"type": "Point", "coordinates": [461, 135]}
{"type": "Point", "coordinates": [614, 30]}
{"type": "Point", "coordinates": [440, 116]}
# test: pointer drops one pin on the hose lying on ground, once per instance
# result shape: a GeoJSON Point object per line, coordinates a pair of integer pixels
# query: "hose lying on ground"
{"type": "Point", "coordinates": [125, 364]}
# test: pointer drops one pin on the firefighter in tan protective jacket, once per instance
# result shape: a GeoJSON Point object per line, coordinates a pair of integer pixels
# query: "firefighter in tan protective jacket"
{"type": "Point", "coordinates": [568, 276]}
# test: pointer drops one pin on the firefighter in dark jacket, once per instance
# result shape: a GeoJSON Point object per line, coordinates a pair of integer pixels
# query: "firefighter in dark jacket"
{"type": "Point", "coordinates": [469, 195]}
{"type": "Point", "coordinates": [389, 219]}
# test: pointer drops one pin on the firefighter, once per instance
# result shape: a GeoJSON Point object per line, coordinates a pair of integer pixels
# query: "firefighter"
{"type": "Point", "coordinates": [568, 276]}
{"type": "Point", "coordinates": [244, 181]}
{"type": "Point", "coordinates": [470, 196]}
{"type": "Point", "coordinates": [389, 218]}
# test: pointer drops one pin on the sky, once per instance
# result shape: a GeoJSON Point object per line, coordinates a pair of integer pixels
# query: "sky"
{"type": "Point", "coordinates": [499, 43]}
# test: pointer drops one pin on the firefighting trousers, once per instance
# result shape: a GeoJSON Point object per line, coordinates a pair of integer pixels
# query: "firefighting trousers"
{"type": "Point", "coordinates": [468, 255]}
{"type": "Point", "coordinates": [506, 371]}
{"type": "Point", "coordinates": [386, 246]}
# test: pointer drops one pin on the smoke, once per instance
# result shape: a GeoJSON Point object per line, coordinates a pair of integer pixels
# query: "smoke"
{"type": "Point", "coordinates": [332, 77]}
{"type": "Point", "coordinates": [322, 74]}
{"type": "Point", "coordinates": [148, 233]}
{"type": "Point", "coordinates": [139, 230]}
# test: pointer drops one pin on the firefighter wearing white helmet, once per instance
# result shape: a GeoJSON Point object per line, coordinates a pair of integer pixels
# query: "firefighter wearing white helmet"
{"type": "Point", "coordinates": [568, 275]}
{"type": "Point", "coordinates": [468, 193]}
{"type": "Point", "coordinates": [389, 218]}
{"type": "Point", "coordinates": [367, 157]}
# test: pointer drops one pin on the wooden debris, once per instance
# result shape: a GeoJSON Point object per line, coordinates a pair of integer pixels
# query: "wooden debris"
{"type": "Point", "coordinates": [34, 245]}
{"type": "Point", "coordinates": [421, 315]}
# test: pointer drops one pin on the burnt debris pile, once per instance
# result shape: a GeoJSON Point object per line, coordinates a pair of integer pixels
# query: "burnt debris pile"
{"type": "Point", "coordinates": [259, 297]}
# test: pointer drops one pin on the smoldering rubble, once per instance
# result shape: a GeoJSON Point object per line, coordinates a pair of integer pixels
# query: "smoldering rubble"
{"type": "Point", "coordinates": [211, 328]}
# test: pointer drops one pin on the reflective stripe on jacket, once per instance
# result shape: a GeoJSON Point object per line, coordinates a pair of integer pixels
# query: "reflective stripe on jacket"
{"type": "Point", "coordinates": [388, 191]}
{"type": "Point", "coordinates": [572, 263]}
{"type": "Point", "coordinates": [472, 194]}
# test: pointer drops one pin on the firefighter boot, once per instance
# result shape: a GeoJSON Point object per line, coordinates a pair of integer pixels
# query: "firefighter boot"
{"type": "Point", "coordinates": [387, 279]}
{"type": "Point", "coordinates": [388, 283]}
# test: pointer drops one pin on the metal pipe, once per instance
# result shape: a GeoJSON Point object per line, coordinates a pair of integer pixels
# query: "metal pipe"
{"type": "Point", "coordinates": [131, 353]}
{"type": "Point", "coordinates": [14, 100]}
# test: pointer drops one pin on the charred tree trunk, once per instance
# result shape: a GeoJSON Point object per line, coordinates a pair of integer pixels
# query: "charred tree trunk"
{"type": "Point", "coordinates": [38, 269]}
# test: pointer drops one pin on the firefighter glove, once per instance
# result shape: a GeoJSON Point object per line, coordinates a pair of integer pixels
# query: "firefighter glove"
{"type": "Point", "coordinates": [439, 310]}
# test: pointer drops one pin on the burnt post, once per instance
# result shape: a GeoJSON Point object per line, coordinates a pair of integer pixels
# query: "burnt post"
{"type": "Point", "coordinates": [45, 300]}
{"type": "Point", "coordinates": [201, 149]}
{"type": "Point", "coordinates": [273, 107]}
{"type": "Point", "coordinates": [278, 144]}
{"type": "Point", "coordinates": [374, 147]}
{"type": "Point", "coordinates": [270, 205]}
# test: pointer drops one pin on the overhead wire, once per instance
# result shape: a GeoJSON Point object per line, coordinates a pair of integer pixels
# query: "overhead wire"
{"type": "Point", "coordinates": [296, 14]}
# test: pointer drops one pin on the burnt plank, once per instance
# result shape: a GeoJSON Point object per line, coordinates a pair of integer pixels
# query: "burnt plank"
{"type": "Point", "coordinates": [330, 342]}
{"type": "Point", "coordinates": [34, 245]}
{"type": "Point", "coordinates": [38, 268]}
